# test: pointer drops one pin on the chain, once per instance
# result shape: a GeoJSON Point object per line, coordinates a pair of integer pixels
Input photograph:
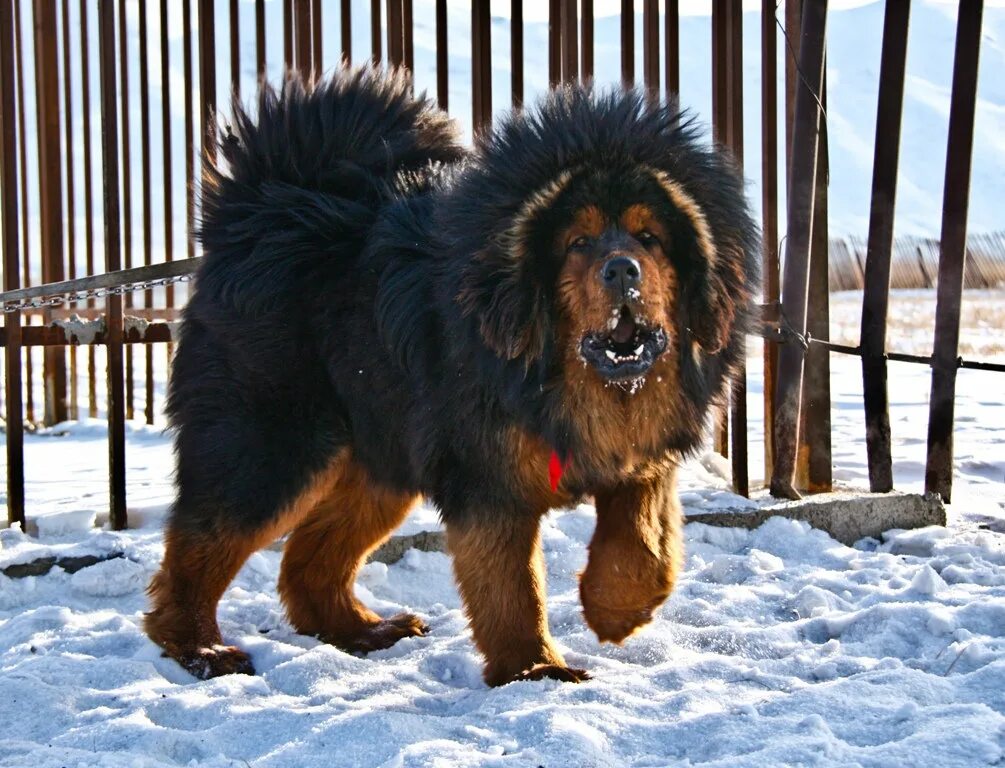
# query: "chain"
{"type": "Point", "coordinates": [73, 297]}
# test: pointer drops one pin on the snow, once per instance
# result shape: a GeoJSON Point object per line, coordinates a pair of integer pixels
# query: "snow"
{"type": "Point", "coordinates": [779, 646]}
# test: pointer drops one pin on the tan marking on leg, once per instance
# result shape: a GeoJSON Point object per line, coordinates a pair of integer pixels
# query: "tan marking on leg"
{"type": "Point", "coordinates": [196, 570]}
{"type": "Point", "coordinates": [635, 554]}
{"type": "Point", "coordinates": [500, 574]}
{"type": "Point", "coordinates": [324, 554]}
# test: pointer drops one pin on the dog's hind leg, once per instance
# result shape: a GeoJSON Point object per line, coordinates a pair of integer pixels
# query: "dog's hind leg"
{"type": "Point", "coordinates": [203, 552]}
{"type": "Point", "coordinates": [323, 555]}
{"type": "Point", "coordinates": [500, 573]}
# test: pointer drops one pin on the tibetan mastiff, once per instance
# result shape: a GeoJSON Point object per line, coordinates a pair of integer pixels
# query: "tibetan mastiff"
{"type": "Point", "coordinates": [383, 314]}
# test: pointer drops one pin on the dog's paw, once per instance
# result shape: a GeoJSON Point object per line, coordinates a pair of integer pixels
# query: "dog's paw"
{"type": "Point", "coordinates": [382, 634]}
{"type": "Point", "coordinates": [615, 625]}
{"type": "Point", "coordinates": [558, 672]}
{"type": "Point", "coordinates": [214, 661]}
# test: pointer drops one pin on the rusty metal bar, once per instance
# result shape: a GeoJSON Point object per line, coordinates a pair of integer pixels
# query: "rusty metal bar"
{"type": "Point", "coordinates": [235, 47]}
{"type": "Point", "coordinates": [71, 219]}
{"type": "Point", "coordinates": [207, 78]}
{"type": "Point", "coordinates": [288, 34]}
{"type": "Point", "coordinates": [442, 67]}
{"type": "Point", "coordinates": [952, 257]}
{"type": "Point", "coordinates": [802, 186]}
{"type": "Point", "coordinates": [516, 52]}
{"type": "Point", "coordinates": [588, 45]}
{"type": "Point", "coordinates": [302, 37]}
{"type": "Point", "coordinates": [166, 148]}
{"type": "Point", "coordinates": [148, 403]}
{"type": "Point", "coordinates": [481, 65]}
{"type": "Point", "coordinates": [554, 42]}
{"type": "Point", "coordinates": [651, 47]}
{"type": "Point", "coordinates": [260, 38]}
{"type": "Point", "coordinates": [127, 187]}
{"type": "Point", "coordinates": [316, 40]}
{"type": "Point", "coordinates": [11, 266]}
{"type": "Point", "coordinates": [570, 41]}
{"type": "Point", "coordinates": [876, 294]}
{"type": "Point", "coordinates": [187, 75]}
{"type": "Point", "coordinates": [720, 133]}
{"type": "Point", "coordinates": [29, 367]}
{"type": "Point", "coordinates": [345, 29]}
{"type": "Point", "coordinates": [109, 147]}
{"type": "Point", "coordinates": [813, 460]}
{"type": "Point", "coordinates": [395, 47]}
{"type": "Point", "coordinates": [672, 24]}
{"type": "Point", "coordinates": [54, 337]}
{"type": "Point", "coordinates": [50, 188]}
{"type": "Point", "coordinates": [769, 211]}
{"type": "Point", "coordinates": [375, 53]}
{"type": "Point", "coordinates": [408, 33]}
{"type": "Point", "coordinates": [85, 68]}
{"type": "Point", "coordinates": [628, 43]}
{"type": "Point", "coordinates": [734, 130]}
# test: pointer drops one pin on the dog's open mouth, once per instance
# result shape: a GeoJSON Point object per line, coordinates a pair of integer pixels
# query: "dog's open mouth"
{"type": "Point", "coordinates": [624, 351]}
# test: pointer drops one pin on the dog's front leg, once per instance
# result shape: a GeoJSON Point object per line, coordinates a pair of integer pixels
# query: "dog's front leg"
{"type": "Point", "coordinates": [635, 554]}
{"type": "Point", "coordinates": [500, 573]}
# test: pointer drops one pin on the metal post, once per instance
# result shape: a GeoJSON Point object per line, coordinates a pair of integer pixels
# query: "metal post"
{"type": "Point", "coordinates": [952, 257]}
{"type": "Point", "coordinates": [110, 160]}
{"type": "Point", "coordinates": [587, 47]}
{"type": "Point", "coordinates": [11, 268]}
{"type": "Point", "coordinates": [802, 186]}
{"type": "Point", "coordinates": [672, 31]}
{"type": "Point", "coordinates": [346, 30]}
{"type": "Point", "coordinates": [628, 43]}
{"type": "Point", "coordinates": [875, 299]}
{"type": "Point", "coordinates": [651, 47]}
{"type": "Point", "coordinates": [769, 210]}
{"type": "Point", "coordinates": [442, 67]}
{"type": "Point", "coordinates": [481, 65]}
{"type": "Point", "coordinates": [516, 52]}
{"type": "Point", "coordinates": [570, 41]}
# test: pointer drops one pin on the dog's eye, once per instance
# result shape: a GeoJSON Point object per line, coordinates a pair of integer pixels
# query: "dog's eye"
{"type": "Point", "coordinates": [580, 242]}
{"type": "Point", "coordinates": [646, 238]}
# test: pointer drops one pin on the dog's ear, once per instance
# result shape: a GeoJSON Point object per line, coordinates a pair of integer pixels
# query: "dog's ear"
{"type": "Point", "coordinates": [500, 294]}
{"type": "Point", "coordinates": [710, 310]}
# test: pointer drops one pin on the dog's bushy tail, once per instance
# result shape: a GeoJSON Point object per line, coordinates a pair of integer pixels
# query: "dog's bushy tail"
{"type": "Point", "coordinates": [300, 179]}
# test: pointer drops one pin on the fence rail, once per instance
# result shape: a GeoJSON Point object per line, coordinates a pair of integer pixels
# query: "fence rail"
{"type": "Point", "coordinates": [52, 165]}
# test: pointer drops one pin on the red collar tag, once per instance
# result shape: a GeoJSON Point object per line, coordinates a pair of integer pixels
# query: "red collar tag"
{"type": "Point", "coordinates": [555, 469]}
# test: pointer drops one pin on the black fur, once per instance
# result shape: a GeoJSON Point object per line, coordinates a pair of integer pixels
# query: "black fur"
{"type": "Point", "coordinates": [340, 233]}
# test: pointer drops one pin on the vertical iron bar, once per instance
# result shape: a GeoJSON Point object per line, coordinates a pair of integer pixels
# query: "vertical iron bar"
{"type": "Point", "coordinates": [11, 268]}
{"type": "Point", "coordinates": [50, 191]}
{"type": "Point", "coordinates": [71, 219]}
{"type": "Point", "coordinates": [651, 47]}
{"type": "Point", "coordinates": [288, 34]}
{"type": "Point", "coordinates": [235, 48]}
{"type": "Point", "coordinates": [952, 256]}
{"type": "Point", "coordinates": [800, 227]}
{"type": "Point", "coordinates": [207, 78]}
{"type": "Point", "coordinates": [144, 75]}
{"type": "Point", "coordinates": [516, 52]}
{"type": "Point", "coordinates": [554, 42]}
{"type": "Point", "coordinates": [22, 159]}
{"type": "Point", "coordinates": [110, 160]}
{"type": "Point", "coordinates": [738, 386]}
{"type": "Point", "coordinates": [442, 71]}
{"type": "Point", "coordinates": [769, 209]}
{"type": "Point", "coordinates": [375, 52]}
{"type": "Point", "coordinates": [481, 69]}
{"type": "Point", "coordinates": [588, 45]}
{"type": "Point", "coordinates": [395, 50]}
{"type": "Point", "coordinates": [316, 41]}
{"type": "Point", "coordinates": [672, 21]}
{"type": "Point", "coordinates": [260, 38]}
{"type": "Point", "coordinates": [346, 30]}
{"type": "Point", "coordinates": [188, 76]}
{"type": "Point", "coordinates": [85, 91]}
{"type": "Point", "coordinates": [875, 299]}
{"type": "Point", "coordinates": [127, 187]}
{"type": "Point", "coordinates": [720, 133]}
{"type": "Point", "coordinates": [408, 24]}
{"type": "Point", "coordinates": [166, 169]}
{"type": "Point", "coordinates": [570, 41]}
{"type": "Point", "coordinates": [302, 37]}
{"type": "Point", "coordinates": [628, 43]}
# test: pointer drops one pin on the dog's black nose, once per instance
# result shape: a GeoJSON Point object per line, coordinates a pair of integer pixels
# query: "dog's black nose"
{"type": "Point", "coordinates": [621, 272]}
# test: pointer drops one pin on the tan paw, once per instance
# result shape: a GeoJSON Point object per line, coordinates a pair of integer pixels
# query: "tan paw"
{"type": "Point", "coordinates": [214, 661]}
{"type": "Point", "coordinates": [383, 634]}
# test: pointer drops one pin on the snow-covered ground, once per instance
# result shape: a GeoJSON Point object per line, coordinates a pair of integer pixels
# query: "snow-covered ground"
{"type": "Point", "coordinates": [780, 645]}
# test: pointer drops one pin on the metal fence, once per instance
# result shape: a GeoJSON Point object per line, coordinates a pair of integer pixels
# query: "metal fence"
{"type": "Point", "coordinates": [37, 58]}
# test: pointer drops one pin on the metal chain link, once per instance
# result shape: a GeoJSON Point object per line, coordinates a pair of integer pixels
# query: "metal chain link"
{"type": "Point", "coordinates": [73, 297]}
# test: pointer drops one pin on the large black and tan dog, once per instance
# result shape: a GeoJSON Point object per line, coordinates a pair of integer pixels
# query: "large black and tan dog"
{"type": "Point", "coordinates": [383, 314]}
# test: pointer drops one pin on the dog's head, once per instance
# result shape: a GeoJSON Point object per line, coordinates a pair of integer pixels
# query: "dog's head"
{"type": "Point", "coordinates": [604, 234]}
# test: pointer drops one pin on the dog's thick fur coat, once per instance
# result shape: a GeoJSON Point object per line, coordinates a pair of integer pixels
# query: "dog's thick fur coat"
{"type": "Point", "coordinates": [383, 314]}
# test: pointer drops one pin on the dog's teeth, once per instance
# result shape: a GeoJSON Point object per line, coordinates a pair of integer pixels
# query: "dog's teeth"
{"type": "Point", "coordinates": [610, 354]}
{"type": "Point", "coordinates": [638, 349]}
